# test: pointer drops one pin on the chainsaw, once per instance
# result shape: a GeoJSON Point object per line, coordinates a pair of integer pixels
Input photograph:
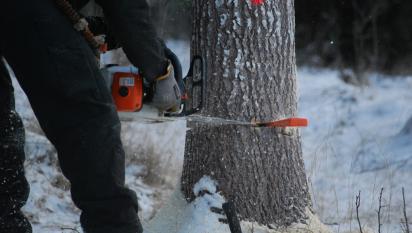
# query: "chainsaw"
{"type": "Point", "coordinates": [132, 93]}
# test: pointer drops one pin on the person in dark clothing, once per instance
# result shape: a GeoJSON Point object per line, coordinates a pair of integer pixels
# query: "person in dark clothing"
{"type": "Point", "coordinates": [14, 189]}
{"type": "Point", "coordinates": [57, 70]}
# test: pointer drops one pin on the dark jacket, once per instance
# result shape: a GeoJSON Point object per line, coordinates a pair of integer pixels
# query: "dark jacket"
{"type": "Point", "coordinates": [129, 20]}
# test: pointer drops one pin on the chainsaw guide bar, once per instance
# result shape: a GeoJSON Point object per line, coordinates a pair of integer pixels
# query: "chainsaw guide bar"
{"type": "Point", "coordinates": [150, 115]}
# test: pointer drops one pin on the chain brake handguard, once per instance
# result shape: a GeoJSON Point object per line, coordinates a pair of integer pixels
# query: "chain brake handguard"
{"type": "Point", "coordinates": [193, 85]}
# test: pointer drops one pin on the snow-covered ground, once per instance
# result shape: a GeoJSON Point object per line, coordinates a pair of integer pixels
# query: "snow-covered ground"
{"type": "Point", "coordinates": [352, 144]}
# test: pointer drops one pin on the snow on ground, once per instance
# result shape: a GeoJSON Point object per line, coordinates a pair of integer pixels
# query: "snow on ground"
{"type": "Point", "coordinates": [352, 143]}
{"type": "Point", "coordinates": [179, 217]}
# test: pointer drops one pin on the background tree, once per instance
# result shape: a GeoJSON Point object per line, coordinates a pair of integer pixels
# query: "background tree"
{"type": "Point", "coordinates": [249, 52]}
{"type": "Point", "coordinates": [361, 35]}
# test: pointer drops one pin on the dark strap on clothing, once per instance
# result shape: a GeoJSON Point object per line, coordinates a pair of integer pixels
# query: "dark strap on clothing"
{"type": "Point", "coordinates": [6, 88]}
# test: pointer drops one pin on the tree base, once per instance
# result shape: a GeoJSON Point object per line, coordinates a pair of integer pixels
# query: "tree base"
{"type": "Point", "coordinates": [313, 224]}
{"type": "Point", "coordinates": [179, 216]}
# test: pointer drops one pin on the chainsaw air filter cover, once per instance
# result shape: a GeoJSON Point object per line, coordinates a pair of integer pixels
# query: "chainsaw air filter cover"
{"type": "Point", "coordinates": [127, 91]}
{"type": "Point", "coordinates": [126, 86]}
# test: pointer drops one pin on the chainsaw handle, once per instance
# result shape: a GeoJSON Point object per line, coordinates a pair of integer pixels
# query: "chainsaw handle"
{"type": "Point", "coordinates": [177, 68]}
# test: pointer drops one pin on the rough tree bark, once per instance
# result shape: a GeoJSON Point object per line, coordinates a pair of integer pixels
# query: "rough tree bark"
{"type": "Point", "coordinates": [251, 73]}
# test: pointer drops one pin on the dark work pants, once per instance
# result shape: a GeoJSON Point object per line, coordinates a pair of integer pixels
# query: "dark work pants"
{"type": "Point", "coordinates": [14, 188]}
{"type": "Point", "coordinates": [58, 72]}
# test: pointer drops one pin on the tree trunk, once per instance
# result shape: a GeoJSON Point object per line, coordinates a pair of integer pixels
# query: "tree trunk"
{"type": "Point", "coordinates": [249, 53]}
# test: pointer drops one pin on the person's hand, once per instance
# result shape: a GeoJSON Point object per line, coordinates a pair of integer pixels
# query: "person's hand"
{"type": "Point", "coordinates": [166, 92]}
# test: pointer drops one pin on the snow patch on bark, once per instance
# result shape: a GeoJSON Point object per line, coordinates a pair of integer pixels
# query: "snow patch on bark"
{"type": "Point", "coordinates": [205, 184]}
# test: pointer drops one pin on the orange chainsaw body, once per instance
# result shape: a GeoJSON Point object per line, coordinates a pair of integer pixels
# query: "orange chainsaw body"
{"type": "Point", "coordinates": [127, 91]}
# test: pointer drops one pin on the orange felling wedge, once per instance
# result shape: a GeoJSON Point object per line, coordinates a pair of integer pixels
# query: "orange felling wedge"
{"type": "Point", "coordinates": [288, 122]}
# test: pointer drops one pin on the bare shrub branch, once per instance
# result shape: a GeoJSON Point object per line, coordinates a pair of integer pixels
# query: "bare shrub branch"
{"type": "Point", "coordinates": [405, 220]}
{"type": "Point", "coordinates": [379, 211]}
{"type": "Point", "coordinates": [358, 202]}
